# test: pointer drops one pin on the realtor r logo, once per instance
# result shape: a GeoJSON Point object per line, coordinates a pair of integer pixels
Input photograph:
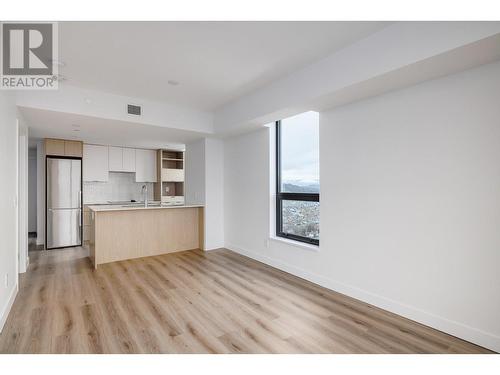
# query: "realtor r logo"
{"type": "Point", "coordinates": [28, 54]}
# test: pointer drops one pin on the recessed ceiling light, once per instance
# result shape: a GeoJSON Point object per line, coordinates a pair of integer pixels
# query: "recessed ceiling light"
{"type": "Point", "coordinates": [88, 101]}
{"type": "Point", "coordinates": [173, 83]}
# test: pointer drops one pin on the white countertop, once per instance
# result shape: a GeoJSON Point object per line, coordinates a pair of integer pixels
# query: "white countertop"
{"type": "Point", "coordinates": [114, 207]}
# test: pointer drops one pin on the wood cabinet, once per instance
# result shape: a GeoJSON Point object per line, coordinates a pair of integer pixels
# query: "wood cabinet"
{"type": "Point", "coordinates": [73, 148]}
{"type": "Point", "coordinates": [54, 147]}
{"type": "Point", "coordinates": [86, 224]}
{"type": "Point", "coordinates": [95, 163]}
{"type": "Point", "coordinates": [173, 175]}
{"type": "Point", "coordinates": [135, 233]}
{"type": "Point", "coordinates": [145, 166]}
{"type": "Point", "coordinates": [170, 170]}
{"type": "Point", "coordinates": [121, 159]}
{"type": "Point", "coordinates": [62, 147]}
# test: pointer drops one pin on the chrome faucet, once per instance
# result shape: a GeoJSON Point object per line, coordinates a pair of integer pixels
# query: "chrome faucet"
{"type": "Point", "coordinates": [145, 194]}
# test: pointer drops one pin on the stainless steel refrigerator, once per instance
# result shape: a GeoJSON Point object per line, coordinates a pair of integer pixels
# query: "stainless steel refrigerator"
{"type": "Point", "coordinates": [64, 202]}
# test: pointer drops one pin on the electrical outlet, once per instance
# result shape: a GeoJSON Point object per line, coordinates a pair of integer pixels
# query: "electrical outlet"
{"type": "Point", "coordinates": [266, 243]}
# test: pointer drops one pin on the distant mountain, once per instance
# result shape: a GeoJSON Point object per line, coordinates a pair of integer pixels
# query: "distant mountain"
{"type": "Point", "coordinates": [292, 188]}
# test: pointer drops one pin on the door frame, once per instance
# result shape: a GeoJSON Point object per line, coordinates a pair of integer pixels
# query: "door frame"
{"type": "Point", "coordinates": [22, 198]}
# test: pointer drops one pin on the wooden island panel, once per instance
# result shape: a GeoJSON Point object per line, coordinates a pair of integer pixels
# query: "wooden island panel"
{"type": "Point", "coordinates": [127, 234]}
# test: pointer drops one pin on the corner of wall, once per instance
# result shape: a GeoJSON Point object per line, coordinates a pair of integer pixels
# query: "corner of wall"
{"type": "Point", "coordinates": [40, 240]}
{"type": "Point", "coordinates": [214, 194]}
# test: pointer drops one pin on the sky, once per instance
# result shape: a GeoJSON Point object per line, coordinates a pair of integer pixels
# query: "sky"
{"type": "Point", "coordinates": [300, 149]}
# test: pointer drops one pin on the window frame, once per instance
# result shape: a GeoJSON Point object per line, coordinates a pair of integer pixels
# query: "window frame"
{"type": "Point", "coordinates": [284, 196]}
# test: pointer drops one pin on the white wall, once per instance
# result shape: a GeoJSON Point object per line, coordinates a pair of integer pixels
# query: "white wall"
{"type": "Point", "coordinates": [246, 193]}
{"type": "Point", "coordinates": [8, 206]}
{"type": "Point", "coordinates": [195, 173]}
{"type": "Point", "coordinates": [22, 193]}
{"type": "Point", "coordinates": [32, 194]}
{"type": "Point", "coordinates": [204, 176]}
{"type": "Point", "coordinates": [40, 198]}
{"type": "Point", "coordinates": [410, 203]}
{"type": "Point", "coordinates": [214, 194]}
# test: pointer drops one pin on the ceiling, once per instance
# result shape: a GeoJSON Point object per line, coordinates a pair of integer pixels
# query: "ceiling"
{"type": "Point", "coordinates": [213, 62]}
{"type": "Point", "coordinates": [52, 124]}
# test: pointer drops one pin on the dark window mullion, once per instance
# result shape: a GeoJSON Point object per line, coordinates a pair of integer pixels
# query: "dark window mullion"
{"type": "Point", "coordinates": [279, 225]}
{"type": "Point", "coordinates": [278, 157]}
{"type": "Point", "coordinates": [311, 197]}
{"type": "Point", "coordinates": [299, 238]}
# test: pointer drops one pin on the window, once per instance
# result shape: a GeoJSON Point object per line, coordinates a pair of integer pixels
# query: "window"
{"type": "Point", "coordinates": [297, 178]}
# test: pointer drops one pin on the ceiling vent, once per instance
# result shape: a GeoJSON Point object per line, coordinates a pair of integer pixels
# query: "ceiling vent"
{"type": "Point", "coordinates": [133, 109]}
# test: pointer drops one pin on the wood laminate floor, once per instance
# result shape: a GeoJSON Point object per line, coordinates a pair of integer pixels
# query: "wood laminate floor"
{"type": "Point", "coordinates": [195, 302]}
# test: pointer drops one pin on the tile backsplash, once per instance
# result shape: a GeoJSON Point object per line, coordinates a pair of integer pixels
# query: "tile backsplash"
{"type": "Point", "coordinates": [119, 187]}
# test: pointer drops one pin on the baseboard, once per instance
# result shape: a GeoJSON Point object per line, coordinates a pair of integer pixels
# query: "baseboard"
{"type": "Point", "coordinates": [214, 249]}
{"type": "Point", "coordinates": [451, 327]}
{"type": "Point", "coordinates": [8, 306]}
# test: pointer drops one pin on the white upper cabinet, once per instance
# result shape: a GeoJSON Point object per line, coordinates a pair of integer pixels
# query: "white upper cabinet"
{"type": "Point", "coordinates": [95, 163]}
{"type": "Point", "coordinates": [121, 159]}
{"type": "Point", "coordinates": [145, 166]}
{"type": "Point", "coordinates": [128, 159]}
{"type": "Point", "coordinates": [115, 159]}
{"type": "Point", "coordinates": [98, 161]}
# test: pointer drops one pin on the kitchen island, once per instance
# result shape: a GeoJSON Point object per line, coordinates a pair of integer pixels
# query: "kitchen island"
{"type": "Point", "coordinates": [135, 231]}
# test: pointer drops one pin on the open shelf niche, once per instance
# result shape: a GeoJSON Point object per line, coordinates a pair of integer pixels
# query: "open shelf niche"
{"type": "Point", "coordinates": [170, 185]}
